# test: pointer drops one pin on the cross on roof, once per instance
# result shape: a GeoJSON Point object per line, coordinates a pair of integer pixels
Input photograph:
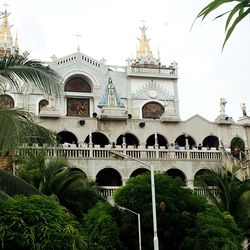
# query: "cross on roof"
{"type": "Point", "coordinates": [78, 41]}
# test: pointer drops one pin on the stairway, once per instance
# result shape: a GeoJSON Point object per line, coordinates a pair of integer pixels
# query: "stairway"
{"type": "Point", "coordinates": [229, 161]}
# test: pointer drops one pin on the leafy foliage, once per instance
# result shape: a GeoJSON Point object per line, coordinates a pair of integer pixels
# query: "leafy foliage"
{"type": "Point", "coordinates": [55, 176]}
{"type": "Point", "coordinates": [17, 127]}
{"type": "Point", "coordinates": [11, 185]}
{"type": "Point", "coordinates": [235, 15]}
{"type": "Point", "coordinates": [18, 70]}
{"type": "Point", "coordinates": [100, 228]}
{"type": "Point", "coordinates": [75, 191]}
{"type": "Point", "coordinates": [213, 230]}
{"type": "Point", "coordinates": [176, 211]}
{"type": "Point", "coordinates": [233, 195]}
{"type": "Point", "coordinates": [37, 222]}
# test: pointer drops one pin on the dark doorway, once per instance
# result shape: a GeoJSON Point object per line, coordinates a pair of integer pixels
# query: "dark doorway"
{"type": "Point", "coordinates": [160, 139]}
{"type": "Point", "coordinates": [108, 177]}
{"type": "Point", "coordinates": [130, 139]}
{"type": "Point", "coordinates": [98, 139]}
{"type": "Point", "coordinates": [176, 173]}
{"type": "Point", "coordinates": [66, 136]}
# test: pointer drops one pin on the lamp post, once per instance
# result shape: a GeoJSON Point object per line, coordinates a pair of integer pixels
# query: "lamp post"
{"type": "Point", "coordinates": [124, 156]}
{"type": "Point", "coordinates": [139, 221]}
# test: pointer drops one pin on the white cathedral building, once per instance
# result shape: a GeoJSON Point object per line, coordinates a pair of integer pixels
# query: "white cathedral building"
{"type": "Point", "coordinates": [132, 109]}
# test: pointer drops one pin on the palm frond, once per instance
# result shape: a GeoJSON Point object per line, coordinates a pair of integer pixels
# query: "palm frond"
{"type": "Point", "coordinates": [236, 21]}
{"type": "Point", "coordinates": [17, 127]}
{"type": "Point", "coordinates": [17, 69]}
{"type": "Point", "coordinates": [242, 9]}
{"type": "Point", "coordinates": [12, 185]}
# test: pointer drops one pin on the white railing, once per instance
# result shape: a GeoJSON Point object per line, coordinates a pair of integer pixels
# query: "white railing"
{"type": "Point", "coordinates": [97, 152]}
{"type": "Point", "coordinates": [204, 192]}
{"type": "Point", "coordinates": [108, 191]}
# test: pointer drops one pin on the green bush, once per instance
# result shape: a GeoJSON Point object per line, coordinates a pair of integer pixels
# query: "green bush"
{"type": "Point", "coordinates": [38, 222]}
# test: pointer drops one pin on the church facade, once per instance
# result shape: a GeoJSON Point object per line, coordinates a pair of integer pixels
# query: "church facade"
{"type": "Point", "coordinates": [133, 109]}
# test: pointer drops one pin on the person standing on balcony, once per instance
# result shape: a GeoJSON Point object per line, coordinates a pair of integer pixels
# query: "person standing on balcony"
{"type": "Point", "coordinates": [237, 152]}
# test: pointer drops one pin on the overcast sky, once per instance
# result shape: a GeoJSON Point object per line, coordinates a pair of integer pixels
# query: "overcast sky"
{"type": "Point", "coordinates": [109, 29]}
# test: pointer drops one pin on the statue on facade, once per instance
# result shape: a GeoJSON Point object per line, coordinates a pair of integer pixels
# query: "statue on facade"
{"type": "Point", "coordinates": [222, 106]}
{"type": "Point", "coordinates": [243, 108]}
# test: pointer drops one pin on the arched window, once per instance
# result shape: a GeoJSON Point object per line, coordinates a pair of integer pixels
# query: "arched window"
{"type": "Point", "coordinates": [6, 102]}
{"type": "Point", "coordinates": [77, 84]}
{"type": "Point", "coordinates": [78, 106]}
{"type": "Point", "coordinates": [152, 110]}
{"type": "Point", "coordinates": [42, 103]}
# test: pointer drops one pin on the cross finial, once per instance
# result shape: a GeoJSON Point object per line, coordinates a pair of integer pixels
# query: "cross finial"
{"type": "Point", "coordinates": [6, 5]}
{"type": "Point", "coordinates": [78, 41]}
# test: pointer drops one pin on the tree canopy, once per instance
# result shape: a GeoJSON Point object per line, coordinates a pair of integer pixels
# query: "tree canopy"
{"type": "Point", "coordinates": [177, 211]}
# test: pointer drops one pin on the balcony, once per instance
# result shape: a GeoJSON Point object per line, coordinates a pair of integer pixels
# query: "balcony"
{"type": "Point", "coordinates": [96, 152]}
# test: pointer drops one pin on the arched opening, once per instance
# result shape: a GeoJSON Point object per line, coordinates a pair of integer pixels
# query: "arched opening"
{"type": "Point", "coordinates": [76, 105]}
{"type": "Point", "coordinates": [202, 173]}
{"type": "Point", "coordinates": [211, 142]}
{"type": "Point", "coordinates": [129, 138]}
{"type": "Point", "coordinates": [152, 110]}
{"type": "Point", "coordinates": [77, 83]}
{"type": "Point", "coordinates": [42, 103]}
{"type": "Point", "coordinates": [161, 140]}
{"type": "Point", "coordinates": [176, 173]}
{"type": "Point", "coordinates": [181, 141]}
{"type": "Point", "coordinates": [108, 177]}
{"type": "Point", "coordinates": [139, 171]}
{"type": "Point", "coordinates": [66, 137]}
{"type": "Point", "coordinates": [6, 102]}
{"type": "Point", "coordinates": [98, 138]}
{"type": "Point", "coordinates": [237, 145]}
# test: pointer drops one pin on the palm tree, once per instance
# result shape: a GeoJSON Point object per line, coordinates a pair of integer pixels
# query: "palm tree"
{"type": "Point", "coordinates": [17, 125]}
{"type": "Point", "coordinates": [235, 15]}
{"type": "Point", "coordinates": [232, 194]}
{"type": "Point", "coordinates": [56, 177]}
{"type": "Point", "coordinates": [11, 185]}
{"type": "Point", "coordinates": [75, 191]}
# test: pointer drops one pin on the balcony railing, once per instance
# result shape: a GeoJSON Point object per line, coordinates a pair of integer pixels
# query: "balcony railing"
{"type": "Point", "coordinates": [108, 191]}
{"type": "Point", "coordinates": [140, 153]}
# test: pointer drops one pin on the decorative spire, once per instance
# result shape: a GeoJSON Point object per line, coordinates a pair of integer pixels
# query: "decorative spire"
{"type": "Point", "coordinates": [6, 40]}
{"type": "Point", "coordinates": [144, 49]}
{"type": "Point", "coordinates": [16, 44]}
{"type": "Point", "coordinates": [110, 97]}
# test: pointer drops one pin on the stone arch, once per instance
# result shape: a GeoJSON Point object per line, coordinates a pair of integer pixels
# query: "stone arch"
{"type": "Point", "coordinates": [139, 171]}
{"type": "Point", "coordinates": [176, 173]}
{"type": "Point", "coordinates": [237, 141]}
{"type": "Point", "coordinates": [78, 106]}
{"type": "Point", "coordinates": [162, 141]}
{"type": "Point", "coordinates": [152, 110]}
{"type": "Point", "coordinates": [6, 102]}
{"type": "Point", "coordinates": [109, 177]}
{"type": "Point", "coordinates": [130, 139]}
{"type": "Point", "coordinates": [98, 138]}
{"type": "Point", "coordinates": [199, 173]}
{"type": "Point", "coordinates": [67, 137]}
{"type": "Point", "coordinates": [78, 83]}
{"type": "Point", "coordinates": [42, 103]}
{"type": "Point", "coordinates": [181, 140]}
{"type": "Point", "coordinates": [211, 141]}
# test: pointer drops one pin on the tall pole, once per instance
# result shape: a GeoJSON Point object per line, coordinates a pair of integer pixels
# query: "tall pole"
{"type": "Point", "coordinates": [123, 156]}
{"type": "Point", "coordinates": [156, 242]}
{"type": "Point", "coordinates": [139, 222]}
{"type": "Point", "coordinates": [139, 230]}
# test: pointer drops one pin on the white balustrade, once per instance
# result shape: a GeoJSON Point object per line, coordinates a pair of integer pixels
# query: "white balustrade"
{"type": "Point", "coordinates": [140, 153]}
